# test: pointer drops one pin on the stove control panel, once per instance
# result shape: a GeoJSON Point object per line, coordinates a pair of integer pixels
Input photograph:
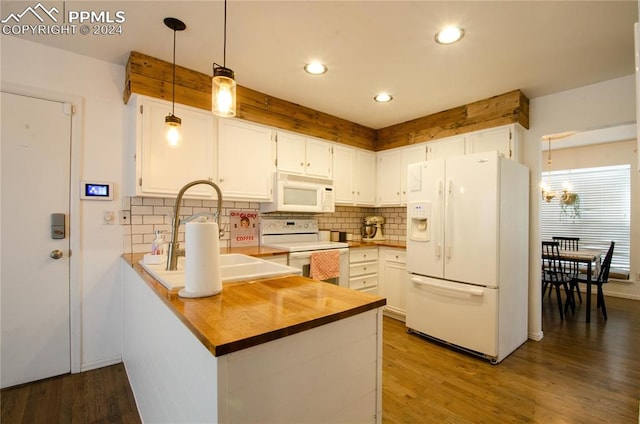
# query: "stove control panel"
{"type": "Point", "coordinates": [270, 226]}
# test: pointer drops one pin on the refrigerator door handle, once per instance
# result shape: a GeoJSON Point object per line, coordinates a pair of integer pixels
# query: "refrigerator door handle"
{"type": "Point", "coordinates": [466, 290]}
{"type": "Point", "coordinates": [449, 218]}
{"type": "Point", "coordinates": [438, 226]}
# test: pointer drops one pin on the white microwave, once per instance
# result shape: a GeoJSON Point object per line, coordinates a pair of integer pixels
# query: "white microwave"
{"type": "Point", "coordinates": [297, 193]}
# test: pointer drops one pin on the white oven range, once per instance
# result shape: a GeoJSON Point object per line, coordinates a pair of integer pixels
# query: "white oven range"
{"type": "Point", "coordinates": [300, 237]}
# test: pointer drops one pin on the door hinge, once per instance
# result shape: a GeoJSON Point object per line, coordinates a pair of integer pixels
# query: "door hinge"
{"type": "Point", "coordinates": [510, 135]}
{"type": "Point", "coordinates": [140, 182]}
{"type": "Point", "coordinates": [276, 162]}
{"type": "Point", "coordinates": [140, 108]}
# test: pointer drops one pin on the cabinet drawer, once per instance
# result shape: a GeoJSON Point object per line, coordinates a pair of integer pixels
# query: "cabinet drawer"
{"type": "Point", "coordinates": [363, 269]}
{"type": "Point", "coordinates": [361, 255]}
{"type": "Point", "coordinates": [396, 256]}
{"type": "Point", "coordinates": [363, 282]}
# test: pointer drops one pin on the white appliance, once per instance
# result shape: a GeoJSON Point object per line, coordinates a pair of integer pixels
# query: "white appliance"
{"type": "Point", "coordinates": [297, 193]}
{"type": "Point", "coordinates": [372, 229]}
{"type": "Point", "coordinates": [467, 252]}
{"type": "Point", "coordinates": [301, 237]}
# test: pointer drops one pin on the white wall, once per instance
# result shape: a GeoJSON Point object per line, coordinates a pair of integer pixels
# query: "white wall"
{"type": "Point", "coordinates": [100, 86]}
{"type": "Point", "coordinates": [594, 106]}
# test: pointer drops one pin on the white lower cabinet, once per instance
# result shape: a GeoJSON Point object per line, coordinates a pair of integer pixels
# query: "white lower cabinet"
{"type": "Point", "coordinates": [176, 379]}
{"type": "Point", "coordinates": [392, 281]}
{"type": "Point", "coordinates": [363, 269]}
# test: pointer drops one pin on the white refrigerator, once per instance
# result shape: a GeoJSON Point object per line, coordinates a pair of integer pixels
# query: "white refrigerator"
{"type": "Point", "coordinates": [467, 252]}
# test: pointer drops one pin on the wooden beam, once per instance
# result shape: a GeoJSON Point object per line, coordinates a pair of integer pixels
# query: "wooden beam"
{"type": "Point", "coordinates": [153, 77]}
{"type": "Point", "coordinates": [508, 108]}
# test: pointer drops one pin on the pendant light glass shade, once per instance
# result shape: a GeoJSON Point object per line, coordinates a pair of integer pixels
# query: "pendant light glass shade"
{"type": "Point", "coordinates": [223, 95]}
{"type": "Point", "coordinates": [172, 124]}
{"type": "Point", "coordinates": [172, 130]}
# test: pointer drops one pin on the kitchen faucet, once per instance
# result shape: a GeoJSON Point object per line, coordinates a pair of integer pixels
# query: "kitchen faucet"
{"type": "Point", "coordinates": [172, 251]}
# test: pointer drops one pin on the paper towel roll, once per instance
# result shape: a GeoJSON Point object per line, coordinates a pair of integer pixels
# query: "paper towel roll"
{"type": "Point", "coordinates": [202, 260]}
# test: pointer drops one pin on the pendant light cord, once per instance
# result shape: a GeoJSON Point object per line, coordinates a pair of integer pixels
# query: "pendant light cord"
{"type": "Point", "coordinates": [224, 48]}
{"type": "Point", "coordinates": [173, 87]}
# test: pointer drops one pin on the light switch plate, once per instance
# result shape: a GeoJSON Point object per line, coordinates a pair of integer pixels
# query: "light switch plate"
{"type": "Point", "coordinates": [108, 217]}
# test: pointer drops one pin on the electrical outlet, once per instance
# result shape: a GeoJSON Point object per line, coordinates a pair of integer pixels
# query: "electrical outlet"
{"type": "Point", "coordinates": [125, 217]}
{"type": "Point", "coordinates": [107, 217]}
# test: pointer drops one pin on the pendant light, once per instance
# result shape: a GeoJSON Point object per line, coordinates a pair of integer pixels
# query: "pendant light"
{"type": "Point", "coordinates": [223, 84]}
{"type": "Point", "coordinates": [172, 123]}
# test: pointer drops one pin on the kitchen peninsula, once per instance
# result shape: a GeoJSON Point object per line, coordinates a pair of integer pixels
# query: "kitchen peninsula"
{"type": "Point", "coordinates": [285, 349]}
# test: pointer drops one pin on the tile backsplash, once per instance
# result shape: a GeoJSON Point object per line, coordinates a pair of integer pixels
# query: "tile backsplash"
{"type": "Point", "coordinates": [150, 214]}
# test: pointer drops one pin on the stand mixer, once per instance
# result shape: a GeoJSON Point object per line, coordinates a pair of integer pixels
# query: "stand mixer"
{"type": "Point", "coordinates": [372, 229]}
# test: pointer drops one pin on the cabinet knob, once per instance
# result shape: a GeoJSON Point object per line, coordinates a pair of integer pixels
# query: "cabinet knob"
{"type": "Point", "coordinates": [308, 164]}
{"type": "Point", "coordinates": [221, 180]}
{"type": "Point", "coordinates": [301, 163]}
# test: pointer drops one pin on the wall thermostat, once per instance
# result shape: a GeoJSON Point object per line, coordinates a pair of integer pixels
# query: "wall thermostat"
{"type": "Point", "coordinates": [95, 190]}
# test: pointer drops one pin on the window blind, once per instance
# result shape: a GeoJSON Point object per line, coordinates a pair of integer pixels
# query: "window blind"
{"type": "Point", "coordinates": [602, 213]}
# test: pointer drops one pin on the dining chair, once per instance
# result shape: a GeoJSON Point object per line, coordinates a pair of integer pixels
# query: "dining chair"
{"type": "Point", "coordinates": [554, 275]}
{"type": "Point", "coordinates": [571, 268]}
{"type": "Point", "coordinates": [603, 278]}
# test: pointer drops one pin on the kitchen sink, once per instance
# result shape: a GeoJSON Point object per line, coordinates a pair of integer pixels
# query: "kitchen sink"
{"type": "Point", "coordinates": [233, 267]}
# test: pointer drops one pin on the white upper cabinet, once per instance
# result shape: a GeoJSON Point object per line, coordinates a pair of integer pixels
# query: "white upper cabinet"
{"type": "Point", "coordinates": [392, 173]}
{"type": "Point", "coordinates": [152, 167]}
{"type": "Point", "coordinates": [365, 178]}
{"type": "Point", "coordinates": [446, 148]}
{"type": "Point", "coordinates": [304, 156]}
{"type": "Point", "coordinates": [246, 160]}
{"type": "Point", "coordinates": [410, 155]}
{"type": "Point", "coordinates": [389, 173]}
{"type": "Point", "coordinates": [354, 176]}
{"type": "Point", "coordinates": [506, 140]}
{"type": "Point", "coordinates": [344, 159]}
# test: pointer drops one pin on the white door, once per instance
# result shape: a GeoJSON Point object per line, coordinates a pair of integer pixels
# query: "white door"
{"type": "Point", "coordinates": [245, 160]}
{"type": "Point", "coordinates": [425, 218]}
{"type": "Point", "coordinates": [319, 159]}
{"type": "Point", "coordinates": [36, 142]}
{"type": "Point", "coordinates": [343, 175]}
{"type": "Point", "coordinates": [291, 153]}
{"type": "Point", "coordinates": [461, 314]}
{"type": "Point", "coordinates": [471, 216]}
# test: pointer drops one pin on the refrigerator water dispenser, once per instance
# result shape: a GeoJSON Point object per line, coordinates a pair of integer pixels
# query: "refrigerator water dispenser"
{"type": "Point", "coordinates": [419, 221]}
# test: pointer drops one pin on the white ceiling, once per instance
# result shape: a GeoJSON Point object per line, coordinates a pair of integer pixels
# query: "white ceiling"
{"type": "Point", "coordinates": [540, 47]}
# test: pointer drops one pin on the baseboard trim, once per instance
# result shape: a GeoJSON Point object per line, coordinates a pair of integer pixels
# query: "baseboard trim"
{"type": "Point", "coordinates": [102, 363]}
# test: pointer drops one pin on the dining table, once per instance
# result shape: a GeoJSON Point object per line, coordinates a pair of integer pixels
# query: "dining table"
{"type": "Point", "coordinates": [591, 258]}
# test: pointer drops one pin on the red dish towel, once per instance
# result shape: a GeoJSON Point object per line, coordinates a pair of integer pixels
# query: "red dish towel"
{"type": "Point", "coordinates": [325, 265]}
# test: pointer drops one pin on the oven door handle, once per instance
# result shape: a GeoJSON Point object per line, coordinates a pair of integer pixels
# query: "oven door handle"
{"type": "Point", "coordinates": [300, 255]}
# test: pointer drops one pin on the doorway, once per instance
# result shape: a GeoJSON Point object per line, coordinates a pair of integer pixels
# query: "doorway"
{"type": "Point", "coordinates": [35, 235]}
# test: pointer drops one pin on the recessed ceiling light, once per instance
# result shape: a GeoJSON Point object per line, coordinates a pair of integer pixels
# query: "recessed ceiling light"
{"type": "Point", "coordinates": [449, 35]}
{"type": "Point", "coordinates": [315, 68]}
{"type": "Point", "coordinates": [383, 98]}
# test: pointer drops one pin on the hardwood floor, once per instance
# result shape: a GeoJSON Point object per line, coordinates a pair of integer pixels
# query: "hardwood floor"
{"type": "Point", "coordinates": [97, 396]}
{"type": "Point", "coordinates": [579, 373]}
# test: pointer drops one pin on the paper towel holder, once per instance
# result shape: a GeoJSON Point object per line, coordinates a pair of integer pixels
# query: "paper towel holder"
{"type": "Point", "coordinates": [172, 251]}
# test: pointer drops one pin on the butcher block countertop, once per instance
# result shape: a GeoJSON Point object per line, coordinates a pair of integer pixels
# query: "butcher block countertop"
{"type": "Point", "coordinates": [250, 313]}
